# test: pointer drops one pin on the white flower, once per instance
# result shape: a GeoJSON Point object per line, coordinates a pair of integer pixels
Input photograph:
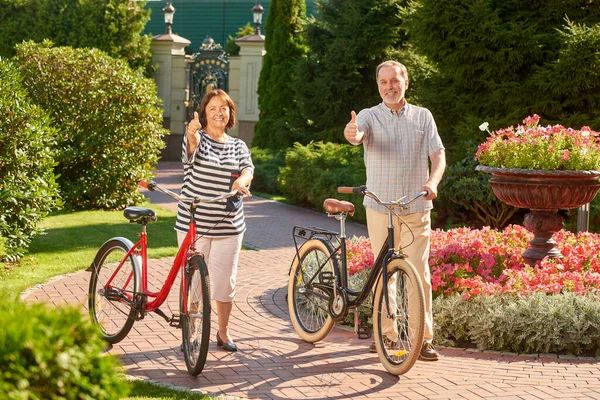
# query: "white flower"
{"type": "Point", "coordinates": [484, 126]}
{"type": "Point", "coordinates": [585, 133]}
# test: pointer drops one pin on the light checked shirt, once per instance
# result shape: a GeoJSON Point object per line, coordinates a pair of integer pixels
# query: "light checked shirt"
{"type": "Point", "coordinates": [397, 146]}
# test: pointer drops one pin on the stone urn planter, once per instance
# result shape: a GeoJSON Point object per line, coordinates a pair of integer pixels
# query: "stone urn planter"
{"type": "Point", "coordinates": [544, 193]}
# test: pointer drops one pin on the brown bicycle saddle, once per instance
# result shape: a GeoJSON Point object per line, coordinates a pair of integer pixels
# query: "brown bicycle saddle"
{"type": "Point", "coordinates": [334, 206]}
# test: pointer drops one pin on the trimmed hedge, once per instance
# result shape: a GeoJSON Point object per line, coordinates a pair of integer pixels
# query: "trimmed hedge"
{"type": "Point", "coordinates": [50, 353]}
{"type": "Point", "coordinates": [314, 172]}
{"type": "Point", "coordinates": [267, 164]}
{"type": "Point", "coordinates": [565, 323]}
{"type": "Point", "coordinates": [27, 187]}
{"type": "Point", "coordinates": [108, 118]}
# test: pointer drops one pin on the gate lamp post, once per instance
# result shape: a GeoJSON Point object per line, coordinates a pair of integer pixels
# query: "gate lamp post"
{"type": "Point", "coordinates": [169, 10]}
{"type": "Point", "coordinates": [257, 10]}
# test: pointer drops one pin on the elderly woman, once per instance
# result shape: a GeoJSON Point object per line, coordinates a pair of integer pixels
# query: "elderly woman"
{"type": "Point", "coordinates": [216, 163]}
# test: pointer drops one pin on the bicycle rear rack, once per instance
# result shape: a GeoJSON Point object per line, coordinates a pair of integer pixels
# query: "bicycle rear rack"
{"type": "Point", "coordinates": [302, 234]}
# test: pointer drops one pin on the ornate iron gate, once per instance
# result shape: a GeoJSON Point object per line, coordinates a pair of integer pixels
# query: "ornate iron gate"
{"type": "Point", "coordinates": [209, 70]}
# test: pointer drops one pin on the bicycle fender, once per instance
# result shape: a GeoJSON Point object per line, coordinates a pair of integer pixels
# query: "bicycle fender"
{"type": "Point", "coordinates": [135, 259]}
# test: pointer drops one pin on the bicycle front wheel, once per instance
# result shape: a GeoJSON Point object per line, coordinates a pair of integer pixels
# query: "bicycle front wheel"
{"type": "Point", "coordinates": [195, 314]}
{"type": "Point", "coordinates": [308, 300]}
{"type": "Point", "coordinates": [113, 286]}
{"type": "Point", "coordinates": [399, 332]}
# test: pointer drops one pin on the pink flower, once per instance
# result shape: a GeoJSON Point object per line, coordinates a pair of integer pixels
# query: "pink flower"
{"type": "Point", "coordinates": [566, 155]}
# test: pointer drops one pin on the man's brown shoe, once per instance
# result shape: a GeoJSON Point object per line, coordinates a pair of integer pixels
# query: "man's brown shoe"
{"type": "Point", "coordinates": [428, 353]}
{"type": "Point", "coordinates": [373, 348]}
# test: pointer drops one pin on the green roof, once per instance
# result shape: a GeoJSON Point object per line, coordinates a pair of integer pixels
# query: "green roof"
{"type": "Point", "coordinates": [195, 19]}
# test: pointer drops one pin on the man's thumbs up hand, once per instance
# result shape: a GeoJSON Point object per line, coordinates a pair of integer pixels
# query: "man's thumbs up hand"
{"type": "Point", "coordinates": [351, 132]}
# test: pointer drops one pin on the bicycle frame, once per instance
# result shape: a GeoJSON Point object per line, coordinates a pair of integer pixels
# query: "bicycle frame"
{"type": "Point", "coordinates": [387, 253]}
{"type": "Point", "coordinates": [140, 248]}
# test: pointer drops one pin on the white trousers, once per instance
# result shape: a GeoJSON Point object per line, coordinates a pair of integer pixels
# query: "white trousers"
{"type": "Point", "coordinates": [417, 253]}
{"type": "Point", "coordinates": [221, 255]}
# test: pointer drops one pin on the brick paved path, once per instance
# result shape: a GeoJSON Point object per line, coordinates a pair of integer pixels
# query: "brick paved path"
{"type": "Point", "coordinates": [274, 364]}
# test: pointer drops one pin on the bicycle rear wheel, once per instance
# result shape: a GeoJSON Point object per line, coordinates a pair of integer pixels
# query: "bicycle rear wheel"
{"type": "Point", "coordinates": [399, 339]}
{"type": "Point", "coordinates": [308, 302]}
{"type": "Point", "coordinates": [113, 285]}
{"type": "Point", "coordinates": [195, 314]}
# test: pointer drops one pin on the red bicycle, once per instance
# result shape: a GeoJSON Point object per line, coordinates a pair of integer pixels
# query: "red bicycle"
{"type": "Point", "coordinates": [119, 294]}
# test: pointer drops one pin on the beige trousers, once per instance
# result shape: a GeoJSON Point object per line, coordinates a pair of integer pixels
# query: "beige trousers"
{"type": "Point", "coordinates": [221, 255]}
{"type": "Point", "coordinates": [417, 252]}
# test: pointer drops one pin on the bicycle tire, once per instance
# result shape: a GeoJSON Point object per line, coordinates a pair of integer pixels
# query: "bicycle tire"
{"type": "Point", "coordinates": [107, 307]}
{"type": "Point", "coordinates": [194, 305]}
{"type": "Point", "coordinates": [309, 306]}
{"type": "Point", "coordinates": [398, 354]}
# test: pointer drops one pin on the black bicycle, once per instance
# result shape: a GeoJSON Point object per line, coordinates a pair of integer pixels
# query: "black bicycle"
{"type": "Point", "coordinates": [319, 296]}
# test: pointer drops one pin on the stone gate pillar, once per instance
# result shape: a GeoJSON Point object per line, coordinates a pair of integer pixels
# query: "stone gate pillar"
{"type": "Point", "coordinates": [171, 79]}
{"type": "Point", "coordinates": [243, 84]}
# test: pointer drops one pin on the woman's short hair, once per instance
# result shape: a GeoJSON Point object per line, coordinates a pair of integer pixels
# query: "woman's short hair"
{"type": "Point", "coordinates": [225, 97]}
{"type": "Point", "coordinates": [392, 63]}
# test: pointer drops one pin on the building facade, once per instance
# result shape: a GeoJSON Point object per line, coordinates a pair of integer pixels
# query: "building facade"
{"type": "Point", "coordinates": [219, 19]}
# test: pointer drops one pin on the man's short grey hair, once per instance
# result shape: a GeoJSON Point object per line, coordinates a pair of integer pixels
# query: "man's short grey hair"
{"type": "Point", "coordinates": [392, 63]}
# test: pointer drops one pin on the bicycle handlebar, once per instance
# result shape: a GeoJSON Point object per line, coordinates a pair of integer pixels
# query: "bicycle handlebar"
{"type": "Point", "coordinates": [366, 192]}
{"type": "Point", "coordinates": [352, 190]}
{"type": "Point", "coordinates": [152, 186]}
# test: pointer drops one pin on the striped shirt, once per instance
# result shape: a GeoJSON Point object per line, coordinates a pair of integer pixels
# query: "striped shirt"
{"type": "Point", "coordinates": [397, 146]}
{"type": "Point", "coordinates": [208, 173]}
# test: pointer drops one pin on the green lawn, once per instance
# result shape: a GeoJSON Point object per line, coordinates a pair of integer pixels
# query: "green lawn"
{"type": "Point", "coordinates": [70, 244]}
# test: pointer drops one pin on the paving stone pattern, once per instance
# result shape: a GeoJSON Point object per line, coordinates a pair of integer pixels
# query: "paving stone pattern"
{"type": "Point", "coordinates": [273, 363]}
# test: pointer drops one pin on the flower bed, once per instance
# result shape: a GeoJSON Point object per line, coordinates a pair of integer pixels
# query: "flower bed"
{"type": "Point", "coordinates": [488, 261]}
{"type": "Point", "coordinates": [486, 296]}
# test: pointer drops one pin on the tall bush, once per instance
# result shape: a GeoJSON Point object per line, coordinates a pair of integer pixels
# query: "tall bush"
{"type": "Point", "coordinates": [114, 26]}
{"type": "Point", "coordinates": [314, 172]}
{"type": "Point", "coordinates": [54, 354]}
{"type": "Point", "coordinates": [347, 40]}
{"type": "Point", "coordinates": [276, 100]}
{"type": "Point", "coordinates": [499, 60]}
{"type": "Point", "coordinates": [108, 118]}
{"type": "Point", "coordinates": [27, 185]}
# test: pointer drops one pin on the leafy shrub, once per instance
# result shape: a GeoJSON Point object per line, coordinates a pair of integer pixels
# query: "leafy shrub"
{"type": "Point", "coordinates": [537, 323]}
{"type": "Point", "coordinates": [27, 187]}
{"type": "Point", "coordinates": [267, 164]}
{"type": "Point", "coordinates": [470, 189]}
{"type": "Point", "coordinates": [113, 26]}
{"type": "Point", "coordinates": [314, 172]}
{"type": "Point", "coordinates": [108, 118]}
{"type": "Point", "coordinates": [54, 354]}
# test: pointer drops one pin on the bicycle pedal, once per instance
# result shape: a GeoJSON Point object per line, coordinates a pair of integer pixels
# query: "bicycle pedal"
{"type": "Point", "coordinates": [364, 333]}
{"type": "Point", "coordinates": [113, 294]}
{"type": "Point", "coordinates": [175, 322]}
{"type": "Point", "coordinates": [327, 278]}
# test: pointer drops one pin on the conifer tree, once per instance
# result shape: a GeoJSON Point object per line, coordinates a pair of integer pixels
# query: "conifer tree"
{"type": "Point", "coordinates": [347, 40]}
{"type": "Point", "coordinates": [502, 60]}
{"type": "Point", "coordinates": [283, 45]}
